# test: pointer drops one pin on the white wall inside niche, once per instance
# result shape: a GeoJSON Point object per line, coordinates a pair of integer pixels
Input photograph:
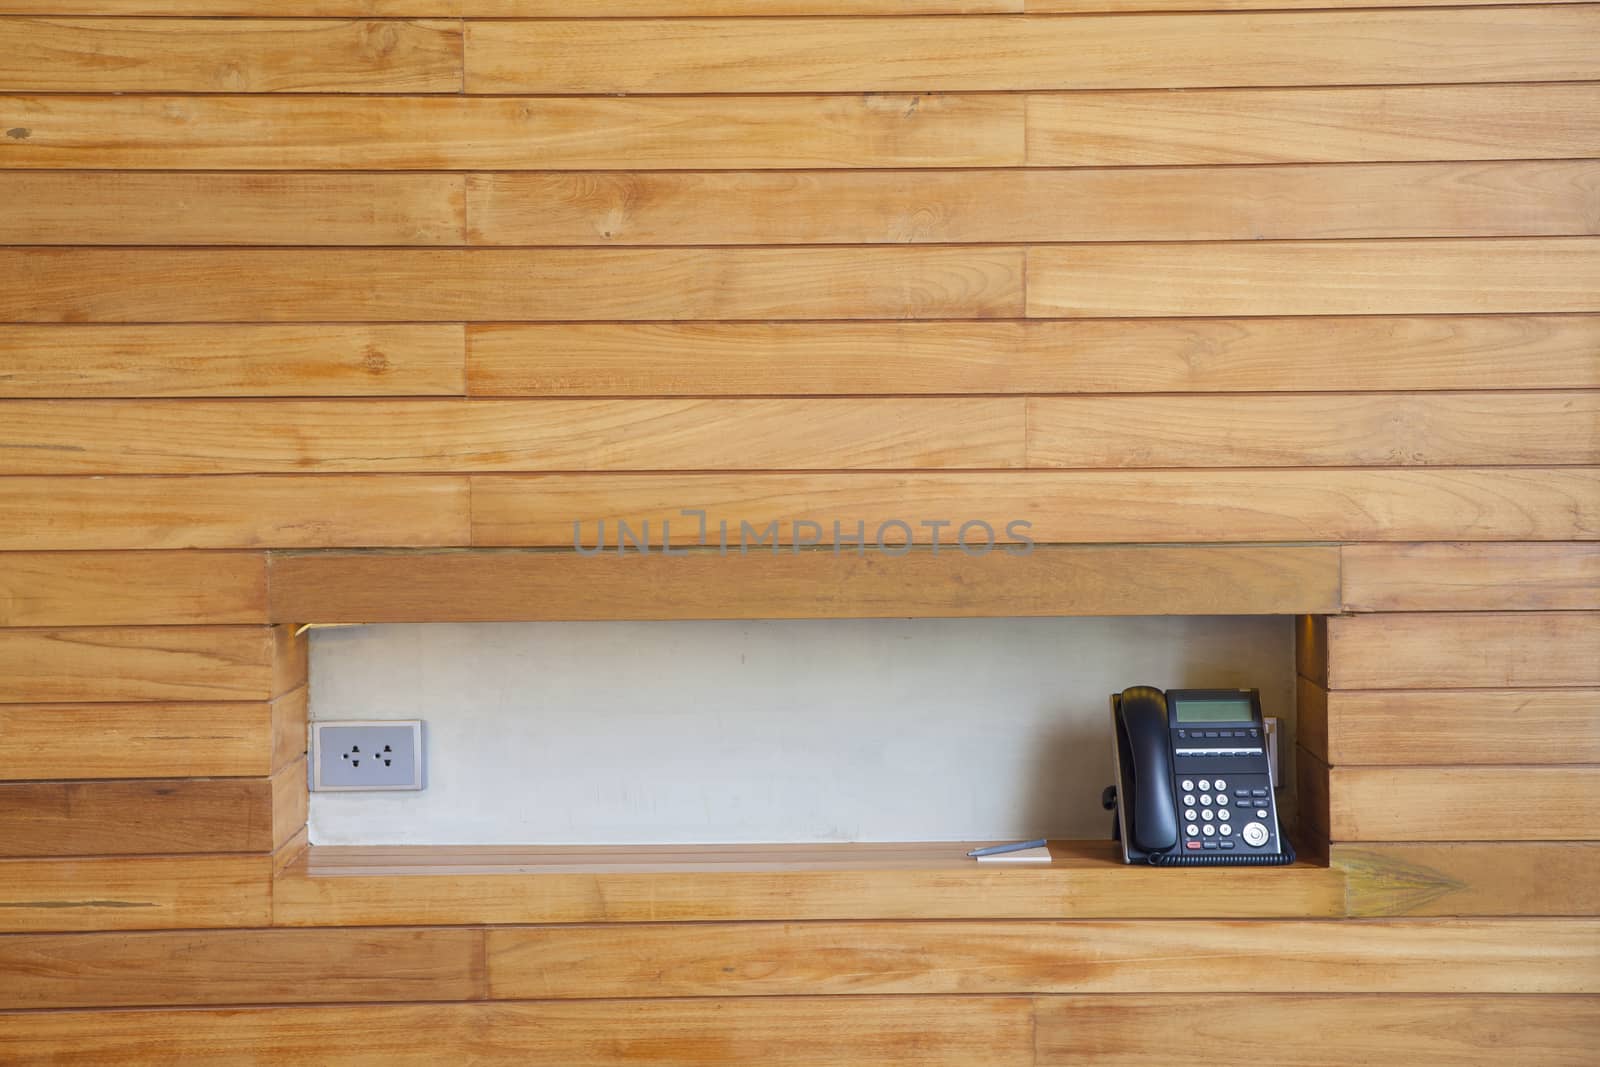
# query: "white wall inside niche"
{"type": "Point", "coordinates": [817, 730]}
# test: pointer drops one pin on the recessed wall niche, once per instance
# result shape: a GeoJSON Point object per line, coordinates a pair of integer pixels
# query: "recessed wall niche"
{"type": "Point", "coordinates": [765, 731]}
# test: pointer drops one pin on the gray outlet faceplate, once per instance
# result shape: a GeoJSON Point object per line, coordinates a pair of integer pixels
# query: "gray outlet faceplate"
{"type": "Point", "coordinates": [366, 755]}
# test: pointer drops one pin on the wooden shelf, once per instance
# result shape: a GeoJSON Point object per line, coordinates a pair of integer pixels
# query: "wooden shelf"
{"type": "Point", "coordinates": [921, 880]}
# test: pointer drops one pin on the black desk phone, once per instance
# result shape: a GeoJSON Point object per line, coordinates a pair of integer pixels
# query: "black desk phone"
{"type": "Point", "coordinates": [1194, 786]}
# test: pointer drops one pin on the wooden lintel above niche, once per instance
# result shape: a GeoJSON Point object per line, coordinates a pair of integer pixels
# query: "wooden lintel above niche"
{"type": "Point", "coordinates": [482, 585]}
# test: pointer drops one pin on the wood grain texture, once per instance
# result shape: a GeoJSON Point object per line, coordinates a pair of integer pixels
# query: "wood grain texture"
{"type": "Point", "coordinates": [122, 208]}
{"type": "Point", "coordinates": [486, 585]}
{"type": "Point", "coordinates": [512, 8]}
{"type": "Point", "coordinates": [1465, 803]}
{"type": "Point", "coordinates": [1372, 429]}
{"type": "Point", "coordinates": [1314, 125]}
{"type": "Point", "coordinates": [316, 360]}
{"type": "Point", "coordinates": [154, 740]}
{"type": "Point", "coordinates": [1477, 199]}
{"type": "Point", "coordinates": [251, 511]}
{"type": "Point", "coordinates": [1470, 1031]}
{"type": "Point", "coordinates": [982, 54]}
{"type": "Point", "coordinates": [1315, 278]}
{"type": "Point", "coordinates": [130, 818]}
{"type": "Point", "coordinates": [295, 285]}
{"type": "Point", "coordinates": [1441, 726]}
{"type": "Point", "coordinates": [1467, 577]}
{"type": "Point", "coordinates": [130, 588]}
{"type": "Point", "coordinates": [924, 880]}
{"type": "Point", "coordinates": [510, 133]}
{"type": "Point", "coordinates": [136, 663]}
{"type": "Point", "coordinates": [135, 893]}
{"type": "Point", "coordinates": [1062, 506]}
{"type": "Point", "coordinates": [1119, 356]}
{"type": "Point", "coordinates": [290, 799]}
{"type": "Point", "coordinates": [366, 435]}
{"type": "Point", "coordinates": [1072, 7]}
{"type": "Point", "coordinates": [290, 727]}
{"type": "Point", "coordinates": [1469, 650]}
{"type": "Point", "coordinates": [789, 959]}
{"type": "Point", "coordinates": [1476, 878]}
{"type": "Point", "coordinates": [239, 56]}
{"type": "Point", "coordinates": [239, 967]}
{"type": "Point", "coordinates": [798, 1032]}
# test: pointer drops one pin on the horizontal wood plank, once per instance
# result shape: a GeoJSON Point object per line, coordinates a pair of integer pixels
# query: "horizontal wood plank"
{"type": "Point", "coordinates": [239, 967]}
{"type": "Point", "coordinates": [1315, 278]}
{"type": "Point", "coordinates": [1441, 726]}
{"type": "Point", "coordinates": [1465, 803]}
{"type": "Point", "coordinates": [155, 740]}
{"type": "Point", "coordinates": [1061, 506]}
{"type": "Point", "coordinates": [789, 959]}
{"type": "Point", "coordinates": [1470, 650]}
{"type": "Point", "coordinates": [250, 511]}
{"type": "Point", "coordinates": [122, 208]}
{"type": "Point", "coordinates": [130, 818]}
{"type": "Point", "coordinates": [137, 663]}
{"type": "Point", "coordinates": [1475, 199]}
{"type": "Point", "coordinates": [135, 893]}
{"type": "Point", "coordinates": [240, 132]}
{"type": "Point", "coordinates": [1339, 125]}
{"type": "Point", "coordinates": [295, 285]}
{"type": "Point", "coordinates": [1449, 429]}
{"type": "Point", "coordinates": [1312, 1031]}
{"type": "Point", "coordinates": [513, 8]}
{"type": "Point", "coordinates": [130, 588]}
{"type": "Point", "coordinates": [1468, 577]}
{"type": "Point", "coordinates": [317, 360]}
{"type": "Point", "coordinates": [983, 54]}
{"type": "Point", "coordinates": [1073, 7]}
{"type": "Point", "coordinates": [87, 55]}
{"type": "Point", "coordinates": [346, 436]}
{"type": "Point", "coordinates": [798, 1032]}
{"type": "Point", "coordinates": [400, 886]}
{"type": "Point", "coordinates": [522, 585]}
{"type": "Point", "coordinates": [1475, 878]}
{"type": "Point", "coordinates": [1120, 356]}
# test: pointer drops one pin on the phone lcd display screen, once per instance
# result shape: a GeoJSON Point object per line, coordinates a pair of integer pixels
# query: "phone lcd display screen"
{"type": "Point", "coordinates": [1229, 709]}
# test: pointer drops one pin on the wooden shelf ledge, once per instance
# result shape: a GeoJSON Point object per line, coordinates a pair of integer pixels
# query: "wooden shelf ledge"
{"type": "Point", "coordinates": [495, 585]}
{"type": "Point", "coordinates": [379, 886]}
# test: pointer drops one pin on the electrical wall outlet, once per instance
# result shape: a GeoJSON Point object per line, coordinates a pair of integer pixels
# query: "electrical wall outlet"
{"type": "Point", "coordinates": [349, 756]}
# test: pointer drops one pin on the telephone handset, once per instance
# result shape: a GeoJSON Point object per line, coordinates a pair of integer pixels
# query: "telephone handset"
{"type": "Point", "coordinates": [1194, 786]}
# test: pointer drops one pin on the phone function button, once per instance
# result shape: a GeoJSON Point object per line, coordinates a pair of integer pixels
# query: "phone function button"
{"type": "Point", "coordinates": [1209, 829]}
{"type": "Point", "coordinates": [1187, 785]}
{"type": "Point", "coordinates": [1205, 783]}
{"type": "Point", "coordinates": [1255, 835]}
{"type": "Point", "coordinates": [1189, 814]}
{"type": "Point", "coordinates": [1192, 830]}
{"type": "Point", "coordinates": [1225, 830]}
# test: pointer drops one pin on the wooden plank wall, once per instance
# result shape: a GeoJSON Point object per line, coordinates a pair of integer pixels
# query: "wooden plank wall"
{"type": "Point", "coordinates": [356, 274]}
